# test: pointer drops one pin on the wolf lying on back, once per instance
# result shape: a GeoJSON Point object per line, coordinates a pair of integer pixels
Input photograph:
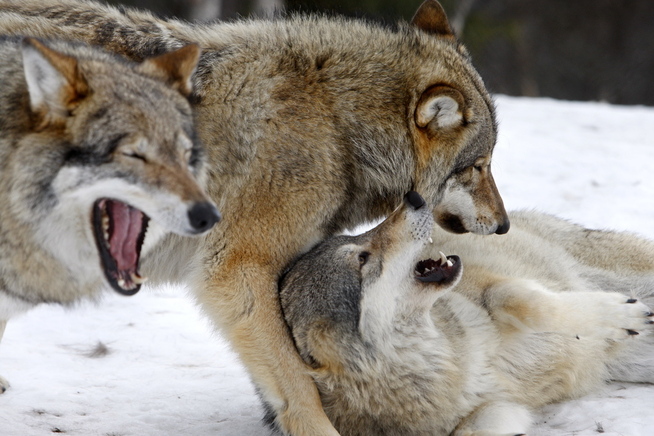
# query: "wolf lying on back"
{"type": "Point", "coordinates": [92, 149]}
{"type": "Point", "coordinates": [398, 348]}
{"type": "Point", "coordinates": [312, 124]}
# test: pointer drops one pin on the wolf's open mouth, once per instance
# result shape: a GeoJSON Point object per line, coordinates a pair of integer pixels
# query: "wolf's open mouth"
{"type": "Point", "coordinates": [441, 271]}
{"type": "Point", "coordinates": [119, 232]}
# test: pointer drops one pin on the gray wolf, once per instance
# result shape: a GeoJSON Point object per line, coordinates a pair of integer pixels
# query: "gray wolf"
{"type": "Point", "coordinates": [312, 124]}
{"type": "Point", "coordinates": [404, 340]}
{"type": "Point", "coordinates": [94, 150]}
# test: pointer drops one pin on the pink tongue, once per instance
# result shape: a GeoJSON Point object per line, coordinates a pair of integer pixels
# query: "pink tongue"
{"type": "Point", "coordinates": [127, 224]}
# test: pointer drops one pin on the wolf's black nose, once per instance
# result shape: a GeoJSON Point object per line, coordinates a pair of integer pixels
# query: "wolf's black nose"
{"type": "Point", "coordinates": [414, 199]}
{"type": "Point", "coordinates": [503, 228]}
{"type": "Point", "coordinates": [203, 216]}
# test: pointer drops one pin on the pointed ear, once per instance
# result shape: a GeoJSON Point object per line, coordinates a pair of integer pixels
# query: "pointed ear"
{"type": "Point", "coordinates": [174, 68]}
{"type": "Point", "coordinates": [440, 107]}
{"type": "Point", "coordinates": [54, 82]}
{"type": "Point", "coordinates": [431, 18]}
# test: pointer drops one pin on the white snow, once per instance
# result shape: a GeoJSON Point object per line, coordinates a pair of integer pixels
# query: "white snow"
{"type": "Point", "coordinates": [168, 374]}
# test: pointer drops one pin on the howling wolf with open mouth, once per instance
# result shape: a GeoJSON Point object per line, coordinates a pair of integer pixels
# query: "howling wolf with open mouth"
{"type": "Point", "coordinates": [94, 150]}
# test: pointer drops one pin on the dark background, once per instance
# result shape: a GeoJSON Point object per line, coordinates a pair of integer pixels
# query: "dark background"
{"type": "Point", "coordinates": [600, 50]}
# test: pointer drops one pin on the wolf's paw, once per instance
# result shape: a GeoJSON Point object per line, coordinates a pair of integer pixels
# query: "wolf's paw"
{"type": "Point", "coordinates": [620, 317]}
{"type": "Point", "coordinates": [4, 385]}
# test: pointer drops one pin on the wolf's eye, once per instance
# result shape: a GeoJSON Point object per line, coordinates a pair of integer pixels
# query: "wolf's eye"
{"type": "Point", "coordinates": [363, 258]}
{"type": "Point", "coordinates": [134, 155]}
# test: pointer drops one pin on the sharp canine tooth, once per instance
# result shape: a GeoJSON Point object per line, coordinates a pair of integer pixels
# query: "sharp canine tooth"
{"type": "Point", "coordinates": [121, 283]}
{"type": "Point", "coordinates": [137, 279]}
{"type": "Point", "coordinates": [431, 241]}
{"type": "Point", "coordinates": [443, 258]}
{"type": "Point", "coordinates": [449, 262]}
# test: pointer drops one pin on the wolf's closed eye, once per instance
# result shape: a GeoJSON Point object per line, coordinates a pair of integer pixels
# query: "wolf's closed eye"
{"type": "Point", "coordinates": [134, 155]}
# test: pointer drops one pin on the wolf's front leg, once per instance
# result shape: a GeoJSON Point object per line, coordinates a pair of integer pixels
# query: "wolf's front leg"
{"type": "Point", "coordinates": [4, 384]}
{"type": "Point", "coordinates": [525, 305]}
{"type": "Point", "coordinates": [243, 301]}
{"type": "Point", "coordinates": [496, 418]}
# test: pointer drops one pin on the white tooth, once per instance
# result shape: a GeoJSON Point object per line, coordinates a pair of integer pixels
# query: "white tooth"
{"type": "Point", "coordinates": [121, 283]}
{"type": "Point", "coordinates": [105, 227]}
{"type": "Point", "coordinates": [431, 241]}
{"type": "Point", "coordinates": [443, 258]}
{"type": "Point", "coordinates": [137, 279]}
{"type": "Point", "coordinates": [449, 263]}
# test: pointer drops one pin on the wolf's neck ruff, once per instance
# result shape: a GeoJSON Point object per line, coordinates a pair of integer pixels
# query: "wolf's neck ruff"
{"type": "Point", "coordinates": [119, 231]}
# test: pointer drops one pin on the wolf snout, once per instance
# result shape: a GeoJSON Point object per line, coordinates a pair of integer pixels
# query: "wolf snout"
{"type": "Point", "coordinates": [503, 227]}
{"type": "Point", "coordinates": [203, 216]}
{"type": "Point", "coordinates": [414, 199]}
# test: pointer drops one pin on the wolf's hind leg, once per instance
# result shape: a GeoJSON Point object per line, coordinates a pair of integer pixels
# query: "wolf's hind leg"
{"type": "Point", "coordinates": [497, 418]}
{"type": "Point", "coordinates": [526, 306]}
{"type": "Point", "coordinates": [4, 384]}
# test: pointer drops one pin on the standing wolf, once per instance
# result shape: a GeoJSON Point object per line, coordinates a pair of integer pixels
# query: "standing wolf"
{"type": "Point", "coordinates": [92, 149]}
{"type": "Point", "coordinates": [398, 348]}
{"type": "Point", "coordinates": [312, 124]}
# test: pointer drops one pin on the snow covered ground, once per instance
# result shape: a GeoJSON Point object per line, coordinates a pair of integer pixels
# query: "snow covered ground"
{"type": "Point", "coordinates": [166, 373]}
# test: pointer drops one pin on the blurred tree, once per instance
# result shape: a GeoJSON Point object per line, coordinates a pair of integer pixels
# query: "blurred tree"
{"type": "Point", "coordinates": [267, 8]}
{"type": "Point", "coordinates": [578, 50]}
{"type": "Point", "coordinates": [461, 15]}
{"type": "Point", "coordinates": [204, 10]}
